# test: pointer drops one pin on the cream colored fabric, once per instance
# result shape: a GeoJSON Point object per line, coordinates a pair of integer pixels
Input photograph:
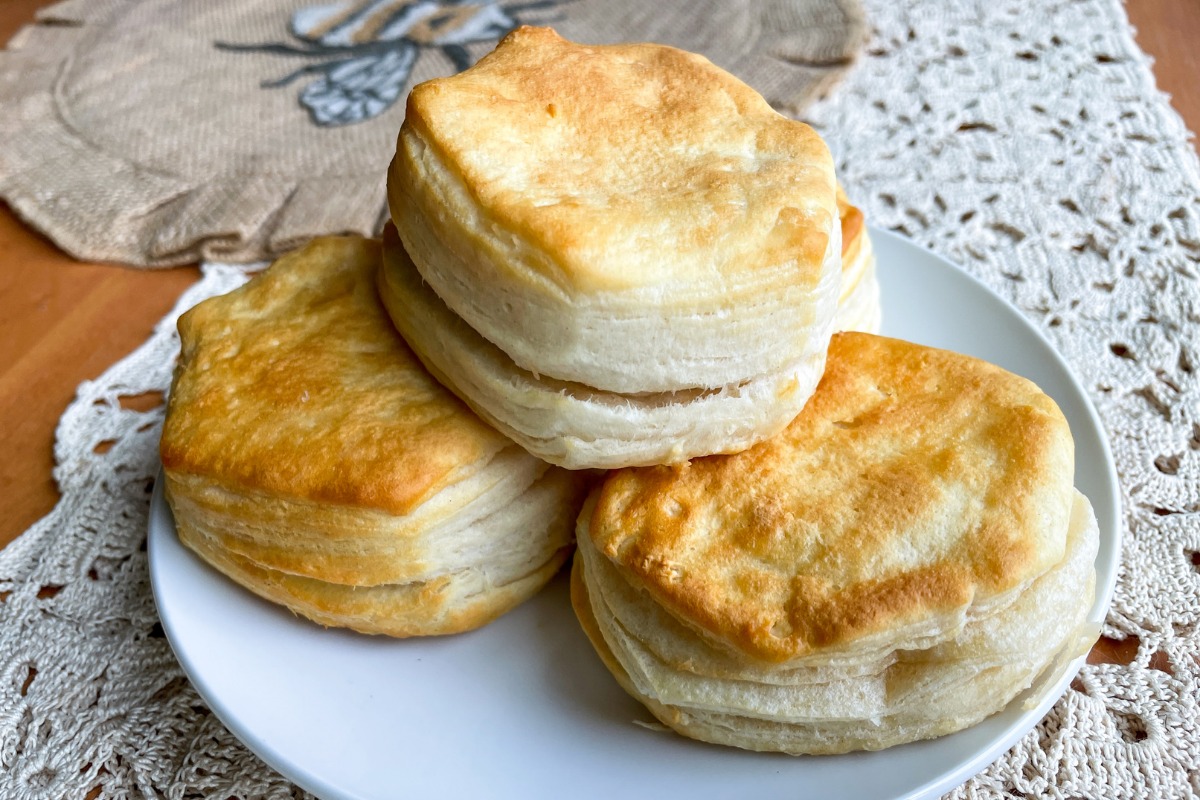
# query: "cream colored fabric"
{"type": "Point", "coordinates": [257, 125]}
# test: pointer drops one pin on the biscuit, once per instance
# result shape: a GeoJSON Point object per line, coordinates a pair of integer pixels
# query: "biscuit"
{"type": "Point", "coordinates": [858, 299]}
{"type": "Point", "coordinates": [898, 564]}
{"type": "Point", "coordinates": [309, 456]}
{"type": "Point", "coordinates": [574, 205]}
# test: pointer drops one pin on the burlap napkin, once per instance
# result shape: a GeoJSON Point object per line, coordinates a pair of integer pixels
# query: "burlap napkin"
{"type": "Point", "coordinates": [157, 132]}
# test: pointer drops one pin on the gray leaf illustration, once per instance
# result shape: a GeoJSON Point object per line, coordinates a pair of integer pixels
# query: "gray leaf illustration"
{"type": "Point", "coordinates": [359, 88]}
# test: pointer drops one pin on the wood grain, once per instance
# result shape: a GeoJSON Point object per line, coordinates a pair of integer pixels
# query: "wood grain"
{"type": "Point", "coordinates": [1169, 30]}
{"type": "Point", "coordinates": [62, 321]}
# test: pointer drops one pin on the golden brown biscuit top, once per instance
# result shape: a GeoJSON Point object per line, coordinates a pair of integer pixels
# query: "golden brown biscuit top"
{"type": "Point", "coordinates": [632, 165]}
{"type": "Point", "coordinates": [297, 385]}
{"type": "Point", "coordinates": [915, 482]}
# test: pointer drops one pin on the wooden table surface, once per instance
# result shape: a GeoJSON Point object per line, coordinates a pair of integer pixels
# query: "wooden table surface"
{"type": "Point", "coordinates": [63, 321]}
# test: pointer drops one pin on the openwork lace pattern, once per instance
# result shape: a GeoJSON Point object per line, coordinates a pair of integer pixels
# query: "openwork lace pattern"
{"type": "Point", "coordinates": [1027, 142]}
{"type": "Point", "coordinates": [1024, 141]}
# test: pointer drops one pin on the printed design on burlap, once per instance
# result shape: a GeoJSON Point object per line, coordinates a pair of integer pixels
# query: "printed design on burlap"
{"type": "Point", "coordinates": [363, 51]}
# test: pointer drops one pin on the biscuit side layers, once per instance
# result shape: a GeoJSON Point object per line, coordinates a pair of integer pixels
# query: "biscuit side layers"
{"type": "Point", "coordinates": [954, 680]}
{"type": "Point", "coordinates": [574, 425]}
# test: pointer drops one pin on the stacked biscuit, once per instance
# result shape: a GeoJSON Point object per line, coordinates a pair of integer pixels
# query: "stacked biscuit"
{"type": "Point", "coordinates": [620, 257]}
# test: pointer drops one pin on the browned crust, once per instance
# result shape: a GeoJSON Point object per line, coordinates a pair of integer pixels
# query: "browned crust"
{"type": "Point", "coordinates": [915, 482]}
{"type": "Point", "coordinates": [606, 142]}
{"type": "Point", "coordinates": [297, 385]}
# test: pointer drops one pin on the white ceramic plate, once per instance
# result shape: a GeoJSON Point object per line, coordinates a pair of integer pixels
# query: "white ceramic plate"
{"type": "Point", "coordinates": [523, 708]}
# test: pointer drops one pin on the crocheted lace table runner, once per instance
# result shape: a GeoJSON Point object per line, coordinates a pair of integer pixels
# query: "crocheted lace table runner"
{"type": "Point", "coordinates": [1028, 144]}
